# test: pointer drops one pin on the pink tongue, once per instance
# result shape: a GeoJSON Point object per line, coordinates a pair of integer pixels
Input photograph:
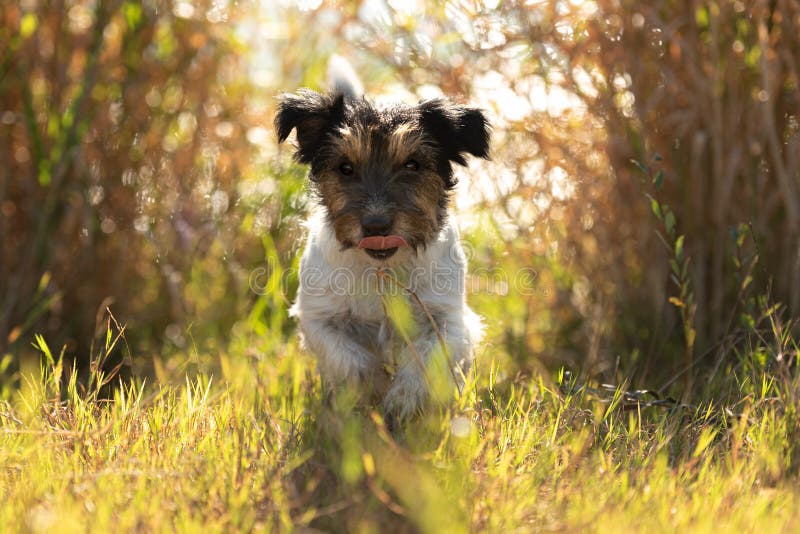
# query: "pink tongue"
{"type": "Point", "coordinates": [382, 242]}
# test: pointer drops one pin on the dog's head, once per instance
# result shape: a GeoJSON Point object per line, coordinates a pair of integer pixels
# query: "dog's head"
{"type": "Point", "coordinates": [384, 176]}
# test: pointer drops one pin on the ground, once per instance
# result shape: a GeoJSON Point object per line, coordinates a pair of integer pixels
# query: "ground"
{"type": "Point", "coordinates": [254, 448]}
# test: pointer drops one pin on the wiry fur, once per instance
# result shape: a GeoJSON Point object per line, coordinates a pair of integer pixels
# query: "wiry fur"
{"type": "Point", "coordinates": [401, 160]}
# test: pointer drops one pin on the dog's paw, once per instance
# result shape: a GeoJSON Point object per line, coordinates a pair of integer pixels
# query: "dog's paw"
{"type": "Point", "coordinates": [407, 396]}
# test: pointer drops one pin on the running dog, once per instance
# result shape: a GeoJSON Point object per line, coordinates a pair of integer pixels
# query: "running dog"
{"type": "Point", "coordinates": [381, 179]}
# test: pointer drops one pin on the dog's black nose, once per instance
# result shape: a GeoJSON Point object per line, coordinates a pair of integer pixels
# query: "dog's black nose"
{"type": "Point", "coordinates": [376, 225]}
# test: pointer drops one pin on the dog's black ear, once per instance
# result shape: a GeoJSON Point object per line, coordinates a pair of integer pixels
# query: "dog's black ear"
{"type": "Point", "coordinates": [456, 129]}
{"type": "Point", "coordinates": [313, 115]}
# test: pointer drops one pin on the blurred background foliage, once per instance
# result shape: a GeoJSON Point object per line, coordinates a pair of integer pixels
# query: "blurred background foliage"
{"type": "Point", "coordinates": [139, 171]}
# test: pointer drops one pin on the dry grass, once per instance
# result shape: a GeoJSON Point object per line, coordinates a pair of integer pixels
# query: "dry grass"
{"type": "Point", "coordinates": [254, 449]}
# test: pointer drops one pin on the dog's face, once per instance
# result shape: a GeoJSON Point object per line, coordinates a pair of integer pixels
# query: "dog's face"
{"type": "Point", "coordinates": [383, 175]}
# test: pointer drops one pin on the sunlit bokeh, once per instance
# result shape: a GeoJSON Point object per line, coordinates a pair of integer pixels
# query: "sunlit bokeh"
{"type": "Point", "coordinates": [144, 175]}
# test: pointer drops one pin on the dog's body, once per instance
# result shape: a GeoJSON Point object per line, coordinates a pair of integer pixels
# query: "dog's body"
{"type": "Point", "coordinates": [343, 321]}
{"type": "Point", "coordinates": [382, 180]}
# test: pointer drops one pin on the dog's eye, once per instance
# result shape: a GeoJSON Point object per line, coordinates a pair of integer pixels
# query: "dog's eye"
{"type": "Point", "coordinates": [346, 169]}
{"type": "Point", "coordinates": [411, 165]}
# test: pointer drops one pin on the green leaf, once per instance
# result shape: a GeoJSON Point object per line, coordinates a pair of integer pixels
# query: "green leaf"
{"type": "Point", "coordinates": [669, 222]}
{"type": "Point", "coordinates": [642, 167]}
{"type": "Point", "coordinates": [701, 17]}
{"type": "Point", "coordinates": [45, 175]}
{"type": "Point", "coordinates": [706, 438]}
{"type": "Point", "coordinates": [690, 337]}
{"type": "Point", "coordinates": [679, 247]}
{"type": "Point", "coordinates": [28, 25]}
{"type": "Point", "coordinates": [44, 281]}
{"type": "Point", "coordinates": [658, 179]}
{"type": "Point", "coordinates": [41, 344]}
{"type": "Point", "coordinates": [752, 56]}
{"type": "Point", "coordinates": [748, 279]}
{"type": "Point", "coordinates": [133, 14]}
{"type": "Point", "coordinates": [399, 312]}
{"type": "Point", "coordinates": [656, 207]}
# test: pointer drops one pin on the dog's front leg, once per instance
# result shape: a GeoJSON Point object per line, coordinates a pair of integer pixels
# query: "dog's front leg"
{"type": "Point", "coordinates": [342, 359]}
{"type": "Point", "coordinates": [425, 364]}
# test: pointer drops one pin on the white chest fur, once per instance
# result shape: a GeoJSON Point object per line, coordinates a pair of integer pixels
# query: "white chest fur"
{"type": "Point", "coordinates": [341, 312]}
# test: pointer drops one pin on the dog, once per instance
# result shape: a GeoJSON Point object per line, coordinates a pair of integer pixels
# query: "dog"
{"type": "Point", "coordinates": [381, 178]}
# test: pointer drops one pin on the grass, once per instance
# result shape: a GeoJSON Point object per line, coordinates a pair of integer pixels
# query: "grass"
{"type": "Point", "coordinates": [253, 448]}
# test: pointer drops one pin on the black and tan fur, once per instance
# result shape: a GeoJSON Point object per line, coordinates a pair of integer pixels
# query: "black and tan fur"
{"type": "Point", "coordinates": [401, 158]}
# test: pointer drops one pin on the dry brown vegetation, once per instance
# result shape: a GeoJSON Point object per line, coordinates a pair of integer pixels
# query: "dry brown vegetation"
{"type": "Point", "coordinates": [138, 169]}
